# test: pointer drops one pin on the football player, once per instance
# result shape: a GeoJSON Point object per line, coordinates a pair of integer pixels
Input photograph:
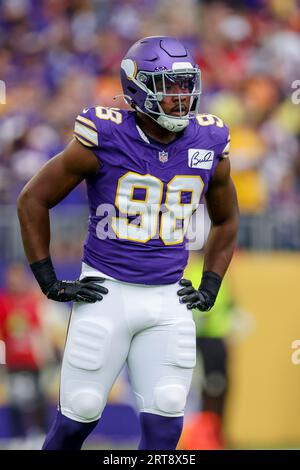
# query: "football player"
{"type": "Point", "coordinates": [146, 171]}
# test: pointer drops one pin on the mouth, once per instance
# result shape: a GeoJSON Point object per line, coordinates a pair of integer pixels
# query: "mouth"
{"type": "Point", "coordinates": [176, 111]}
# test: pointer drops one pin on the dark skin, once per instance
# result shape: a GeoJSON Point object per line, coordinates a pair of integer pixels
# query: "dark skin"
{"type": "Point", "coordinates": [222, 206]}
{"type": "Point", "coordinates": [55, 180]}
{"type": "Point", "coordinates": [58, 177]}
{"type": "Point", "coordinates": [170, 107]}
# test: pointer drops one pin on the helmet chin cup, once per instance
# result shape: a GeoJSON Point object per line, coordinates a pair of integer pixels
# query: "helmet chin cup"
{"type": "Point", "coordinates": [172, 124]}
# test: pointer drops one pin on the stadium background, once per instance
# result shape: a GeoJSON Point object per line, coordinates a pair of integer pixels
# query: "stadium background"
{"type": "Point", "coordinates": [58, 56]}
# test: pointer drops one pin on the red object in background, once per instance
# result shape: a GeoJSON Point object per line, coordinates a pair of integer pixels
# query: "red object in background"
{"type": "Point", "coordinates": [19, 326]}
{"type": "Point", "coordinates": [202, 432]}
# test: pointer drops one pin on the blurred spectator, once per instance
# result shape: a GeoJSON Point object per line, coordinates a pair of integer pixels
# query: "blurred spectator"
{"type": "Point", "coordinates": [28, 350]}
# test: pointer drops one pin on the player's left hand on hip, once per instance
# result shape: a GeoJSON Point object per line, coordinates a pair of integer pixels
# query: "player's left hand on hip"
{"type": "Point", "coordinates": [94, 291]}
{"type": "Point", "coordinates": [195, 299]}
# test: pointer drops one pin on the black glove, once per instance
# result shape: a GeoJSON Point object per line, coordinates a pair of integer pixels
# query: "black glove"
{"type": "Point", "coordinates": [204, 298]}
{"type": "Point", "coordinates": [85, 290]}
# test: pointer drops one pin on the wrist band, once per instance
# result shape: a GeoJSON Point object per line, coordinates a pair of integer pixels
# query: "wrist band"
{"type": "Point", "coordinates": [44, 273]}
{"type": "Point", "coordinates": [211, 283]}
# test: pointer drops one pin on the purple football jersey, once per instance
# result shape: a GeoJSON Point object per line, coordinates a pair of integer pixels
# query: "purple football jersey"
{"type": "Point", "coordinates": [142, 198]}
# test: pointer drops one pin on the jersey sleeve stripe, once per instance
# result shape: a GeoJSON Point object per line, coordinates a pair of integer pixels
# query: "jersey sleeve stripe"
{"type": "Point", "coordinates": [226, 148]}
{"type": "Point", "coordinates": [87, 122]}
{"type": "Point", "coordinates": [87, 133]}
{"type": "Point", "coordinates": [83, 141]}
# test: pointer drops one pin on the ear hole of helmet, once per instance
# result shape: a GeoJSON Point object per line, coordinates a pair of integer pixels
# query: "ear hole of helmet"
{"type": "Point", "coordinates": [132, 90]}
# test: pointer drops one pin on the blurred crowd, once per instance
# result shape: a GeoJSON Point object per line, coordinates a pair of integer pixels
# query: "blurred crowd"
{"type": "Point", "coordinates": [32, 335]}
{"type": "Point", "coordinates": [58, 56]}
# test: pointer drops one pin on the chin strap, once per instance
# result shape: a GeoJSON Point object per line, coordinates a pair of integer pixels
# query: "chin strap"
{"type": "Point", "coordinates": [172, 125]}
{"type": "Point", "coordinates": [167, 122]}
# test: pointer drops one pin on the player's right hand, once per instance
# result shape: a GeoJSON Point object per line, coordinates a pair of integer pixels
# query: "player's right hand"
{"type": "Point", "coordinates": [85, 290]}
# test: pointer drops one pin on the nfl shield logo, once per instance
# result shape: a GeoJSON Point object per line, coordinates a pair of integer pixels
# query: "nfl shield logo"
{"type": "Point", "coordinates": [163, 156]}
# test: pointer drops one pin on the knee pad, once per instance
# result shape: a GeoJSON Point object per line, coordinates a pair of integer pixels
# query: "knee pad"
{"type": "Point", "coordinates": [170, 399]}
{"type": "Point", "coordinates": [88, 345]}
{"type": "Point", "coordinates": [86, 404]}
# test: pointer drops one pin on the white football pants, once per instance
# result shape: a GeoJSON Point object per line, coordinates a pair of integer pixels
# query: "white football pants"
{"type": "Point", "coordinates": [143, 325]}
